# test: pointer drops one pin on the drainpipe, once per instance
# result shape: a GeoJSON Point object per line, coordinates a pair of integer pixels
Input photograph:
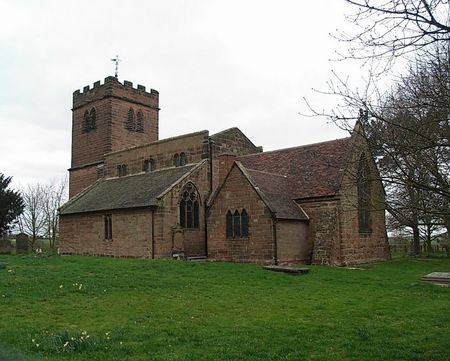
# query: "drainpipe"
{"type": "Point", "coordinates": [153, 234]}
{"type": "Point", "coordinates": [275, 241]}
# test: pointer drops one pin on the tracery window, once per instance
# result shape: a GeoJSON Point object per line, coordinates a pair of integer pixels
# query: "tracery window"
{"type": "Point", "coordinates": [89, 120]}
{"type": "Point", "coordinates": [189, 207]}
{"type": "Point", "coordinates": [364, 195]}
{"type": "Point", "coordinates": [236, 224]}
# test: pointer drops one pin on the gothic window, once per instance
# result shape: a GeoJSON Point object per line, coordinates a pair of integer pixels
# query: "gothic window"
{"type": "Point", "coordinates": [149, 165]}
{"type": "Point", "coordinates": [130, 124]}
{"type": "Point", "coordinates": [176, 160]}
{"type": "Point", "coordinates": [364, 195]}
{"type": "Point", "coordinates": [119, 170]}
{"type": "Point", "coordinates": [89, 120]}
{"type": "Point", "coordinates": [124, 169]}
{"type": "Point", "coordinates": [139, 122]}
{"type": "Point", "coordinates": [92, 119]}
{"type": "Point", "coordinates": [236, 224]}
{"type": "Point", "coordinates": [182, 159]}
{"type": "Point", "coordinates": [107, 218]}
{"type": "Point", "coordinates": [189, 207]}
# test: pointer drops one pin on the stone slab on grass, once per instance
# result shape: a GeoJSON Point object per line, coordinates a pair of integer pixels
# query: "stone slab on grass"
{"type": "Point", "coordinates": [439, 278]}
{"type": "Point", "coordinates": [287, 269]}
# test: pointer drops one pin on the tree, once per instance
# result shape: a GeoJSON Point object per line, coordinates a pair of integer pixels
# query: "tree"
{"type": "Point", "coordinates": [11, 205]}
{"type": "Point", "coordinates": [40, 216]}
{"type": "Point", "coordinates": [391, 28]}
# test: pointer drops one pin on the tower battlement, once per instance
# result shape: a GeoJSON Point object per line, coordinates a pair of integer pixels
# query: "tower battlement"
{"type": "Point", "coordinates": [115, 89]}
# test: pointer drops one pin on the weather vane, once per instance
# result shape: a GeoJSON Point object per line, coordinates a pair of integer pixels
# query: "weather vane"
{"type": "Point", "coordinates": [116, 61]}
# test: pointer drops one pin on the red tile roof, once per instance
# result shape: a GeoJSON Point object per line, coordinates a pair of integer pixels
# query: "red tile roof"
{"type": "Point", "coordinates": [313, 170]}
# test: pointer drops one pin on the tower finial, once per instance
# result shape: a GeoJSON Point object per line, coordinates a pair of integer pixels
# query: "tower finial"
{"type": "Point", "coordinates": [116, 61]}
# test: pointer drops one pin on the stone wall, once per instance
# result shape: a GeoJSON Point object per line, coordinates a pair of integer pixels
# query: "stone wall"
{"type": "Point", "coordinates": [161, 152]}
{"type": "Point", "coordinates": [85, 234]}
{"type": "Point", "coordinates": [81, 178]}
{"type": "Point", "coordinates": [323, 230]}
{"type": "Point", "coordinates": [237, 193]}
{"type": "Point", "coordinates": [293, 243]}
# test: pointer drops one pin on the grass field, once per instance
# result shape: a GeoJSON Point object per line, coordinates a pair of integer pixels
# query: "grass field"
{"type": "Point", "coordinates": [86, 308]}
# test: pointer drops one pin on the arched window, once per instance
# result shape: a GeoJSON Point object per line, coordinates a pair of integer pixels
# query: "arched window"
{"type": "Point", "coordinates": [182, 158]}
{"type": "Point", "coordinates": [189, 207]}
{"type": "Point", "coordinates": [92, 119]}
{"type": "Point", "coordinates": [124, 169]}
{"type": "Point", "coordinates": [85, 126]}
{"type": "Point", "coordinates": [229, 221]}
{"type": "Point", "coordinates": [176, 160]}
{"type": "Point", "coordinates": [363, 185]}
{"type": "Point", "coordinates": [121, 170]}
{"type": "Point", "coordinates": [130, 124]}
{"type": "Point", "coordinates": [236, 224]}
{"type": "Point", "coordinates": [139, 122]}
{"type": "Point", "coordinates": [244, 223]}
{"type": "Point", "coordinates": [146, 166]}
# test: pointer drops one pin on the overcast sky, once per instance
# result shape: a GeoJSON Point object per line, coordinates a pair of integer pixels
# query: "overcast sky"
{"type": "Point", "coordinates": [216, 64]}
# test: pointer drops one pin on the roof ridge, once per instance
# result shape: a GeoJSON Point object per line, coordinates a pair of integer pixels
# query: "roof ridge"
{"type": "Point", "coordinates": [296, 147]}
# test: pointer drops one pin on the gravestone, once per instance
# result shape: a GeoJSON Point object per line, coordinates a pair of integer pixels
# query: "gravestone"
{"type": "Point", "coordinates": [438, 278]}
{"type": "Point", "coordinates": [5, 246]}
{"type": "Point", "coordinates": [21, 243]}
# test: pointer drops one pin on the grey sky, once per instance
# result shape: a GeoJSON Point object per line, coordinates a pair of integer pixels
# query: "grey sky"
{"type": "Point", "coordinates": [216, 64]}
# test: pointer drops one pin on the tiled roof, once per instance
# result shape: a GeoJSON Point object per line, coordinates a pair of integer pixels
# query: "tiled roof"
{"type": "Point", "coordinates": [133, 191]}
{"type": "Point", "coordinates": [314, 170]}
{"type": "Point", "coordinates": [277, 191]}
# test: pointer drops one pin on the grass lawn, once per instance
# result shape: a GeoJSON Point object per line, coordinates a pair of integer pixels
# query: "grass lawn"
{"type": "Point", "coordinates": [87, 308]}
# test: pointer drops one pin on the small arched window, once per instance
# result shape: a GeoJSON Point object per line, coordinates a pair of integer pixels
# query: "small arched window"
{"type": "Point", "coordinates": [176, 160]}
{"type": "Point", "coordinates": [189, 207]}
{"type": "Point", "coordinates": [130, 124]}
{"type": "Point", "coordinates": [149, 165]}
{"type": "Point", "coordinates": [139, 122]}
{"type": "Point", "coordinates": [182, 159]}
{"type": "Point", "coordinates": [124, 169]}
{"type": "Point", "coordinates": [229, 222]}
{"type": "Point", "coordinates": [244, 223]}
{"type": "Point", "coordinates": [364, 195]}
{"type": "Point", "coordinates": [121, 170]}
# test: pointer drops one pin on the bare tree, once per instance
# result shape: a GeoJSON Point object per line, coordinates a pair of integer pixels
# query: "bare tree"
{"type": "Point", "coordinates": [390, 28]}
{"type": "Point", "coordinates": [55, 194]}
{"type": "Point", "coordinates": [32, 220]}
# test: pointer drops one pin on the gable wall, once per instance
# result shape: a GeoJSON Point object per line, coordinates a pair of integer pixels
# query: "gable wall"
{"type": "Point", "coordinates": [81, 178]}
{"type": "Point", "coordinates": [356, 247]}
{"type": "Point", "coordinates": [84, 234]}
{"type": "Point", "coordinates": [167, 219]}
{"type": "Point", "coordinates": [237, 193]}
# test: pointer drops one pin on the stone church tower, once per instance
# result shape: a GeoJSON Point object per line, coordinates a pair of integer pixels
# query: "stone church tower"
{"type": "Point", "coordinates": [106, 118]}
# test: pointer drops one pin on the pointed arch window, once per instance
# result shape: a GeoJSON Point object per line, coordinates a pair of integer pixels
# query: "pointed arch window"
{"type": "Point", "coordinates": [149, 165]}
{"type": "Point", "coordinates": [89, 120]}
{"type": "Point", "coordinates": [236, 224]}
{"type": "Point", "coordinates": [176, 160]}
{"type": "Point", "coordinates": [364, 195]}
{"type": "Point", "coordinates": [121, 170]}
{"type": "Point", "coordinates": [139, 122]}
{"type": "Point", "coordinates": [189, 207]}
{"type": "Point", "coordinates": [130, 124]}
{"type": "Point", "coordinates": [182, 159]}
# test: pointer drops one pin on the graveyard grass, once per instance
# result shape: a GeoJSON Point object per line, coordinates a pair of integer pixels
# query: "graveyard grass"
{"type": "Point", "coordinates": [88, 308]}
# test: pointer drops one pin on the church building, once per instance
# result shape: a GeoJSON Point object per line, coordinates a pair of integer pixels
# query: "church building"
{"type": "Point", "coordinates": [214, 196]}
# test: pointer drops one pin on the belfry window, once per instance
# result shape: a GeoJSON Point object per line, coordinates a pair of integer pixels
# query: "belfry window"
{"type": "Point", "coordinates": [176, 160]}
{"type": "Point", "coordinates": [131, 123]}
{"type": "Point", "coordinates": [89, 120]}
{"type": "Point", "coordinates": [139, 122]}
{"type": "Point", "coordinates": [364, 195]}
{"type": "Point", "coordinates": [236, 224]}
{"type": "Point", "coordinates": [189, 207]}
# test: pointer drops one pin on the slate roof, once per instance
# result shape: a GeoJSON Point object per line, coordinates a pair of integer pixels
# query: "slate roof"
{"type": "Point", "coordinates": [277, 191]}
{"type": "Point", "coordinates": [133, 191]}
{"type": "Point", "coordinates": [313, 170]}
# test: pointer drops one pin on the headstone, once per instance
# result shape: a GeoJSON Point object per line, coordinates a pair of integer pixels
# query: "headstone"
{"type": "Point", "coordinates": [5, 246]}
{"type": "Point", "coordinates": [21, 243]}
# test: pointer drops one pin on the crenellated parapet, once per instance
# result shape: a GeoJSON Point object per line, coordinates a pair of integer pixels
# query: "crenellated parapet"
{"type": "Point", "coordinates": [113, 88]}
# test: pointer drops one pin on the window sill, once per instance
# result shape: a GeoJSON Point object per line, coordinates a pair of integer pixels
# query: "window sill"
{"type": "Point", "coordinates": [238, 239]}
